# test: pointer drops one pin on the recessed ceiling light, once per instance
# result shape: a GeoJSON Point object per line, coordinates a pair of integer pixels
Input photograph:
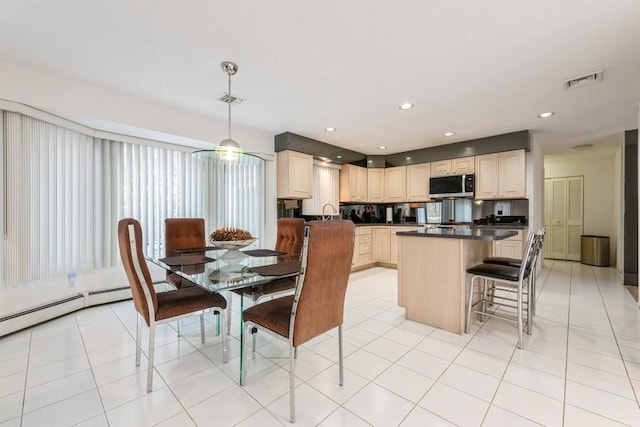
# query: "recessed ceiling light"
{"type": "Point", "coordinates": [330, 129]}
{"type": "Point", "coordinates": [406, 106]}
{"type": "Point", "coordinates": [408, 158]}
{"type": "Point", "coordinates": [370, 161]}
{"type": "Point", "coordinates": [546, 114]}
{"type": "Point", "coordinates": [338, 157]}
{"type": "Point", "coordinates": [448, 134]}
{"type": "Point", "coordinates": [382, 147]}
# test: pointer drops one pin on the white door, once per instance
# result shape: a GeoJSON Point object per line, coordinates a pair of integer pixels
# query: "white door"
{"type": "Point", "coordinates": [563, 212]}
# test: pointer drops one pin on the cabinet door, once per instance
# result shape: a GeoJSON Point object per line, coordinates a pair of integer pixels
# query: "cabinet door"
{"type": "Point", "coordinates": [395, 180]}
{"type": "Point", "coordinates": [441, 168]}
{"type": "Point", "coordinates": [294, 175]}
{"type": "Point", "coordinates": [508, 248]}
{"type": "Point", "coordinates": [418, 182]}
{"type": "Point", "coordinates": [393, 245]}
{"type": "Point", "coordinates": [380, 244]}
{"type": "Point", "coordinates": [375, 185]}
{"type": "Point", "coordinates": [360, 184]}
{"type": "Point", "coordinates": [487, 176]}
{"type": "Point", "coordinates": [353, 184]}
{"type": "Point", "coordinates": [462, 165]}
{"type": "Point", "coordinates": [512, 175]}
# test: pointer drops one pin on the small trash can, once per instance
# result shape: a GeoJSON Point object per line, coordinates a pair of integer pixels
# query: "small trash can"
{"type": "Point", "coordinates": [594, 250]}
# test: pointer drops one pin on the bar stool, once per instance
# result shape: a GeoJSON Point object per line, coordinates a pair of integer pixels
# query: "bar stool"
{"type": "Point", "coordinates": [508, 279]}
{"type": "Point", "coordinates": [515, 262]}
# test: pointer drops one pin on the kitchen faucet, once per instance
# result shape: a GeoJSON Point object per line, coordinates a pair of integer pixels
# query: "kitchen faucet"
{"type": "Point", "coordinates": [327, 217]}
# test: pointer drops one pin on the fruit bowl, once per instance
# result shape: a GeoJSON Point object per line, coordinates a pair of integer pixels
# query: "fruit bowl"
{"type": "Point", "coordinates": [232, 244]}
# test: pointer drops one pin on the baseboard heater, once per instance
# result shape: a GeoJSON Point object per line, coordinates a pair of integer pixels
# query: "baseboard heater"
{"type": "Point", "coordinates": [44, 312]}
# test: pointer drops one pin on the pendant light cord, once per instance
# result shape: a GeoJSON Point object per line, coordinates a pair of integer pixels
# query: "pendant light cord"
{"type": "Point", "coordinates": [229, 101]}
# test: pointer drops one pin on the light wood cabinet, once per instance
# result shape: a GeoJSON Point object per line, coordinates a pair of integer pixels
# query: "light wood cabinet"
{"type": "Point", "coordinates": [375, 185]}
{"type": "Point", "coordinates": [418, 182]}
{"type": "Point", "coordinates": [511, 247]}
{"type": "Point", "coordinates": [294, 175]}
{"type": "Point", "coordinates": [380, 244]}
{"type": "Point", "coordinates": [395, 184]}
{"type": "Point", "coordinates": [362, 247]}
{"type": "Point", "coordinates": [393, 242]}
{"type": "Point", "coordinates": [501, 175]}
{"type": "Point", "coordinates": [458, 166]}
{"type": "Point", "coordinates": [353, 184]}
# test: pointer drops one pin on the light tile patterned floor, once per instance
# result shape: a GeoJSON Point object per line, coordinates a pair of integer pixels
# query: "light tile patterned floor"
{"type": "Point", "coordinates": [581, 367]}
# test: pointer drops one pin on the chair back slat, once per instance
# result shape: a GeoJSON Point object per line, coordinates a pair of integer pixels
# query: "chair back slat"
{"type": "Point", "coordinates": [326, 264]}
{"type": "Point", "coordinates": [135, 266]}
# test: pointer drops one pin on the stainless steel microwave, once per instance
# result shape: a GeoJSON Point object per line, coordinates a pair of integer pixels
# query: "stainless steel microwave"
{"type": "Point", "coordinates": [451, 186]}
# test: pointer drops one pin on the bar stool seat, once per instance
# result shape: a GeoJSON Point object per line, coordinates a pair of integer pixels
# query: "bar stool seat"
{"type": "Point", "coordinates": [511, 262]}
{"type": "Point", "coordinates": [506, 279]}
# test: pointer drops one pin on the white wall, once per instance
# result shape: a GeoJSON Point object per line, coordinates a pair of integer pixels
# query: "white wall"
{"type": "Point", "coordinates": [602, 191]}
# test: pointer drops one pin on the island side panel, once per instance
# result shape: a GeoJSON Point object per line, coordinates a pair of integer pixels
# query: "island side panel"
{"type": "Point", "coordinates": [432, 278]}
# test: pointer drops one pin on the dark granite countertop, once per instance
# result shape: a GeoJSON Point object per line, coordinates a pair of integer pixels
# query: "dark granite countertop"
{"type": "Point", "coordinates": [469, 234]}
{"type": "Point", "coordinates": [501, 226]}
{"type": "Point", "coordinates": [382, 224]}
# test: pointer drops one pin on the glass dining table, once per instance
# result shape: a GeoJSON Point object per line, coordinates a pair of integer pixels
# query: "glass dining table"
{"type": "Point", "coordinates": [225, 270]}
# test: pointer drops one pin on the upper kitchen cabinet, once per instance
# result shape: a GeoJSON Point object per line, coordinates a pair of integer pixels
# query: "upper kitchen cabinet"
{"type": "Point", "coordinates": [375, 185]}
{"type": "Point", "coordinates": [459, 166]}
{"type": "Point", "coordinates": [501, 175]}
{"type": "Point", "coordinates": [395, 184]}
{"type": "Point", "coordinates": [294, 175]}
{"type": "Point", "coordinates": [418, 182]}
{"type": "Point", "coordinates": [353, 184]}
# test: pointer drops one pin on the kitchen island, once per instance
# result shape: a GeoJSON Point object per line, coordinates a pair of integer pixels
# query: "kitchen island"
{"type": "Point", "coordinates": [432, 272]}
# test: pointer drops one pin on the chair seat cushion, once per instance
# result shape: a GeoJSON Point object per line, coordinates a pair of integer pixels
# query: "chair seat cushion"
{"type": "Point", "coordinates": [186, 300]}
{"type": "Point", "coordinates": [512, 262]}
{"type": "Point", "coordinates": [274, 315]}
{"type": "Point", "coordinates": [497, 271]}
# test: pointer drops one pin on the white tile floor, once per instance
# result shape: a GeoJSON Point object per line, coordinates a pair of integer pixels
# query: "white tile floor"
{"type": "Point", "coordinates": [581, 367]}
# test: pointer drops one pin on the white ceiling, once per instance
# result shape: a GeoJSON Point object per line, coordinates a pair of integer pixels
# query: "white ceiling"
{"type": "Point", "coordinates": [476, 68]}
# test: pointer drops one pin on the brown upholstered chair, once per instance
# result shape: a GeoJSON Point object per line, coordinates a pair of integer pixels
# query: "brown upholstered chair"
{"type": "Point", "coordinates": [318, 303]}
{"type": "Point", "coordinates": [182, 233]}
{"type": "Point", "coordinates": [289, 239]}
{"type": "Point", "coordinates": [155, 308]}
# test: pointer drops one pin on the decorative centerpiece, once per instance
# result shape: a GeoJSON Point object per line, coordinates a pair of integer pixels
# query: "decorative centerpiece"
{"type": "Point", "coordinates": [231, 239]}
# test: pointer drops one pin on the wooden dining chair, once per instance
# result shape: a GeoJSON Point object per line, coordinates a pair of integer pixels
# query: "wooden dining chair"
{"type": "Point", "coordinates": [155, 308]}
{"type": "Point", "coordinates": [183, 233]}
{"type": "Point", "coordinates": [289, 239]}
{"type": "Point", "coordinates": [318, 303]}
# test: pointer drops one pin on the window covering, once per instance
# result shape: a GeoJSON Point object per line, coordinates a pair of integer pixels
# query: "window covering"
{"type": "Point", "coordinates": [66, 191]}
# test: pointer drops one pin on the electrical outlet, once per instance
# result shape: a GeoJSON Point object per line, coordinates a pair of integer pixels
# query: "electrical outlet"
{"type": "Point", "coordinates": [72, 279]}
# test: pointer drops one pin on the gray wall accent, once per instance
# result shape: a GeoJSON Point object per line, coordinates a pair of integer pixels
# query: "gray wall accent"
{"type": "Point", "coordinates": [319, 149]}
{"type": "Point", "coordinates": [491, 144]}
{"type": "Point", "coordinates": [630, 220]}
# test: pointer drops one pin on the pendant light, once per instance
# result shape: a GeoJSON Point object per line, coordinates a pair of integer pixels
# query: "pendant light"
{"type": "Point", "coordinates": [229, 147]}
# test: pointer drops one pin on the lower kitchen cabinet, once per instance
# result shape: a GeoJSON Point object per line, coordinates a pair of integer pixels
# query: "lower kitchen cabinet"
{"type": "Point", "coordinates": [361, 247]}
{"type": "Point", "coordinates": [377, 244]}
{"type": "Point", "coordinates": [393, 242]}
{"type": "Point", "coordinates": [380, 244]}
{"type": "Point", "coordinates": [511, 247]}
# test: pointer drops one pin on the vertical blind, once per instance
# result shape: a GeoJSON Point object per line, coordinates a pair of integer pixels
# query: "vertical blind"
{"type": "Point", "coordinates": [66, 191]}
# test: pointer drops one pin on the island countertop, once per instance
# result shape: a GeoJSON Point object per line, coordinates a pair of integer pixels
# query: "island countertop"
{"type": "Point", "coordinates": [467, 234]}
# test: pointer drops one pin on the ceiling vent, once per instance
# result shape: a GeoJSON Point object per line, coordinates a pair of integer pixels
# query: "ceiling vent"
{"type": "Point", "coordinates": [230, 99]}
{"type": "Point", "coordinates": [587, 79]}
